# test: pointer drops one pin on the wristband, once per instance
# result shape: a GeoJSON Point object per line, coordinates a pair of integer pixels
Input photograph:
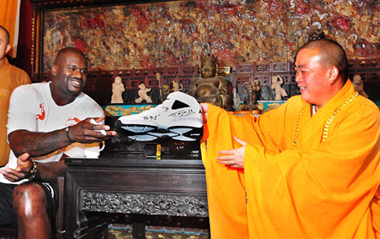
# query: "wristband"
{"type": "Point", "coordinates": [33, 171]}
{"type": "Point", "coordinates": [68, 136]}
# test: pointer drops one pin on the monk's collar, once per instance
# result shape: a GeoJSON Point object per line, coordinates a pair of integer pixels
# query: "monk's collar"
{"type": "Point", "coordinates": [3, 63]}
{"type": "Point", "coordinates": [340, 97]}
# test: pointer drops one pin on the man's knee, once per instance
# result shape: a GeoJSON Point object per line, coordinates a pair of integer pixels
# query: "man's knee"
{"type": "Point", "coordinates": [29, 200]}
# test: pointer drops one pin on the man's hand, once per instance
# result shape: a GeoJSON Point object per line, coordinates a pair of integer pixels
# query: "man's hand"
{"type": "Point", "coordinates": [22, 171]}
{"type": "Point", "coordinates": [233, 157]}
{"type": "Point", "coordinates": [204, 107]}
{"type": "Point", "coordinates": [89, 131]}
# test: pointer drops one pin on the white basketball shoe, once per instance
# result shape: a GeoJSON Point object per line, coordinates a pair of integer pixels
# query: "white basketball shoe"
{"type": "Point", "coordinates": [179, 117]}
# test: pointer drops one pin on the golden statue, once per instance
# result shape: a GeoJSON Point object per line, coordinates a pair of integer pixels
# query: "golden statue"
{"type": "Point", "coordinates": [210, 88]}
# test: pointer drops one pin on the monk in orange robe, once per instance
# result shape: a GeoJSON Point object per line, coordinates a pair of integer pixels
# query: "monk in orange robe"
{"type": "Point", "coordinates": [309, 169]}
{"type": "Point", "coordinates": [10, 78]}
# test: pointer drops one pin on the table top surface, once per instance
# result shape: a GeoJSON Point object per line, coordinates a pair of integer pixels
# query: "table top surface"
{"type": "Point", "coordinates": [115, 159]}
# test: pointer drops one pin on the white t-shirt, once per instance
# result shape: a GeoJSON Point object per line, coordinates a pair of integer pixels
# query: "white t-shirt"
{"type": "Point", "coordinates": [32, 108]}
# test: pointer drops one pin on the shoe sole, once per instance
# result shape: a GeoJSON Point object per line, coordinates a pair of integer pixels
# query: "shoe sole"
{"type": "Point", "coordinates": [151, 133]}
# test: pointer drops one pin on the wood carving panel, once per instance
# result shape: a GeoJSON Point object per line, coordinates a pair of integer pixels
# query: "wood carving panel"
{"type": "Point", "coordinates": [177, 33]}
{"type": "Point", "coordinates": [149, 204]}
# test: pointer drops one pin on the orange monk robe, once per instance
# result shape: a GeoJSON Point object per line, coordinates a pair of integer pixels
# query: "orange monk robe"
{"type": "Point", "coordinates": [375, 214]}
{"type": "Point", "coordinates": [322, 189]}
{"type": "Point", "coordinates": [10, 78]}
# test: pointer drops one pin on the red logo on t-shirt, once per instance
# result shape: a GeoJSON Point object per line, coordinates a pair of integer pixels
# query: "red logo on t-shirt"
{"type": "Point", "coordinates": [72, 121]}
{"type": "Point", "coordinates": [42, 115]}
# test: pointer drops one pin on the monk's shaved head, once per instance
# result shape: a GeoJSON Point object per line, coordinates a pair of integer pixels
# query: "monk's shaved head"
{"type": "Point", "coordinates": [331, 54]}
{"type": "Point", "coordinates": [63, 53]}
{"type": "Point", "coordinates": [6, 34]}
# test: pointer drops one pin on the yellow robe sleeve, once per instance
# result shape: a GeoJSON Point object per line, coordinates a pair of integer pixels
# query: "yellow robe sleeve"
{"type": "Point", "coordinates": [225, 186]}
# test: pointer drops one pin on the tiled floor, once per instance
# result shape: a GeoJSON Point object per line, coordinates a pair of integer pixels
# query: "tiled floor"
{"type": "Point", "coordinates": [127, 234]}
{"type": "Point", "coordinates": [121, 231]}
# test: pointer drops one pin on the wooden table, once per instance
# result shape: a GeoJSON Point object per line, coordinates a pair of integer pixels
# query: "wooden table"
{"type": "Point", "coordinates": [132, 184]}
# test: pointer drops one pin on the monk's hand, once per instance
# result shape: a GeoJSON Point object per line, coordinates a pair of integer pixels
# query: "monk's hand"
{"type": "Point", "coordinates": [233, 157]}
{"type": "Point", "coordinates": [22, 171]}
{"type": "Point", "coordinates": [204, 107]}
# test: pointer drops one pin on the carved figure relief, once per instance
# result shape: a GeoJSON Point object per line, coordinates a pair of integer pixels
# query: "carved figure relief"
{"type": "Point", "coordinates": [120, 37]}
{"type": "Point", "coordinates": [316, 32]}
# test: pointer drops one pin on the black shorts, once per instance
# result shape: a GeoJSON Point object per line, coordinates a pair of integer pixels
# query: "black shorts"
{"type": "Point", "coordinates": [7, 215]}
{"type": "Point", "coordinates": [51, 192]}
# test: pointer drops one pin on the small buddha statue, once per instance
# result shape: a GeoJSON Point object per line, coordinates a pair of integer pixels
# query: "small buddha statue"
{"type": "Point", "coordinates": [237, 103]}
{"type": "Point", "coordinates": [359, 85]}
{"type": "Point", "coordinates": [251, 93]}
{"type": "Point", "coordinates": [117, 91]}
{"type": "Point", "coordinates": [277, 81]}
{"type": "Point", "coordinates": [177, 86]}
{"type": "Point", "coordinates": [210, 88]}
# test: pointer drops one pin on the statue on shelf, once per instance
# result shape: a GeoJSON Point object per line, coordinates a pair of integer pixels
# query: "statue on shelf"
{"type": "Point", "coordinates": [117, 91]}
{"type": "Point", "coordinates": [143, 94]}
{"type": "Point", "coordinates": [251, 93]}
{"type": "Point", "coordinates": [237, 103]}
{"type": "Point", "coordinates": [177, 86]}
{"type": "Point", "coordinates": [359, 86]}
{"type": "Point", "coordinates": [277, 81]}
{"type": "Point", "coordinates": [164, 87]}
{"type": "Point", "coordinates": [209, 87]}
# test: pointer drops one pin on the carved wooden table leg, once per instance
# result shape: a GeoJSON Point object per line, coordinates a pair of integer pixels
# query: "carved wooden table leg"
{"type": "Point", "coordinates": [76, 223]}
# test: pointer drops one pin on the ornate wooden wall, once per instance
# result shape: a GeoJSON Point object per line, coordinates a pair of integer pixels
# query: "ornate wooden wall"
{"type": "Point", "coordinates": [257, 39]}
{"type": "Point", "coordinates": [170, 33]}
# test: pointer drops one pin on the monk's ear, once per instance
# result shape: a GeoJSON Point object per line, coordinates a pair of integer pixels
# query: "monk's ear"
{"type": "Point", "coordinates": [8, 48]}
{"type": "Point", "coordinates": [333, 74]}
{"type": "Point", "coordinates": [54, 70]}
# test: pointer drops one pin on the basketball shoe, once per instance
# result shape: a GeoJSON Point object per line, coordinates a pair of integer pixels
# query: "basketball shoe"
{"type": "Point", "coordinates": [179, 117]}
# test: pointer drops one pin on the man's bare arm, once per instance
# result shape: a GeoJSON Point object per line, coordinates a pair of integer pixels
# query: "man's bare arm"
{"type": "Point", "coordinates": [45, 171]}
{"type": "Point", "coordinates": [37, 143]}
{"type": "Point", "coordinates": [50, 171]}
